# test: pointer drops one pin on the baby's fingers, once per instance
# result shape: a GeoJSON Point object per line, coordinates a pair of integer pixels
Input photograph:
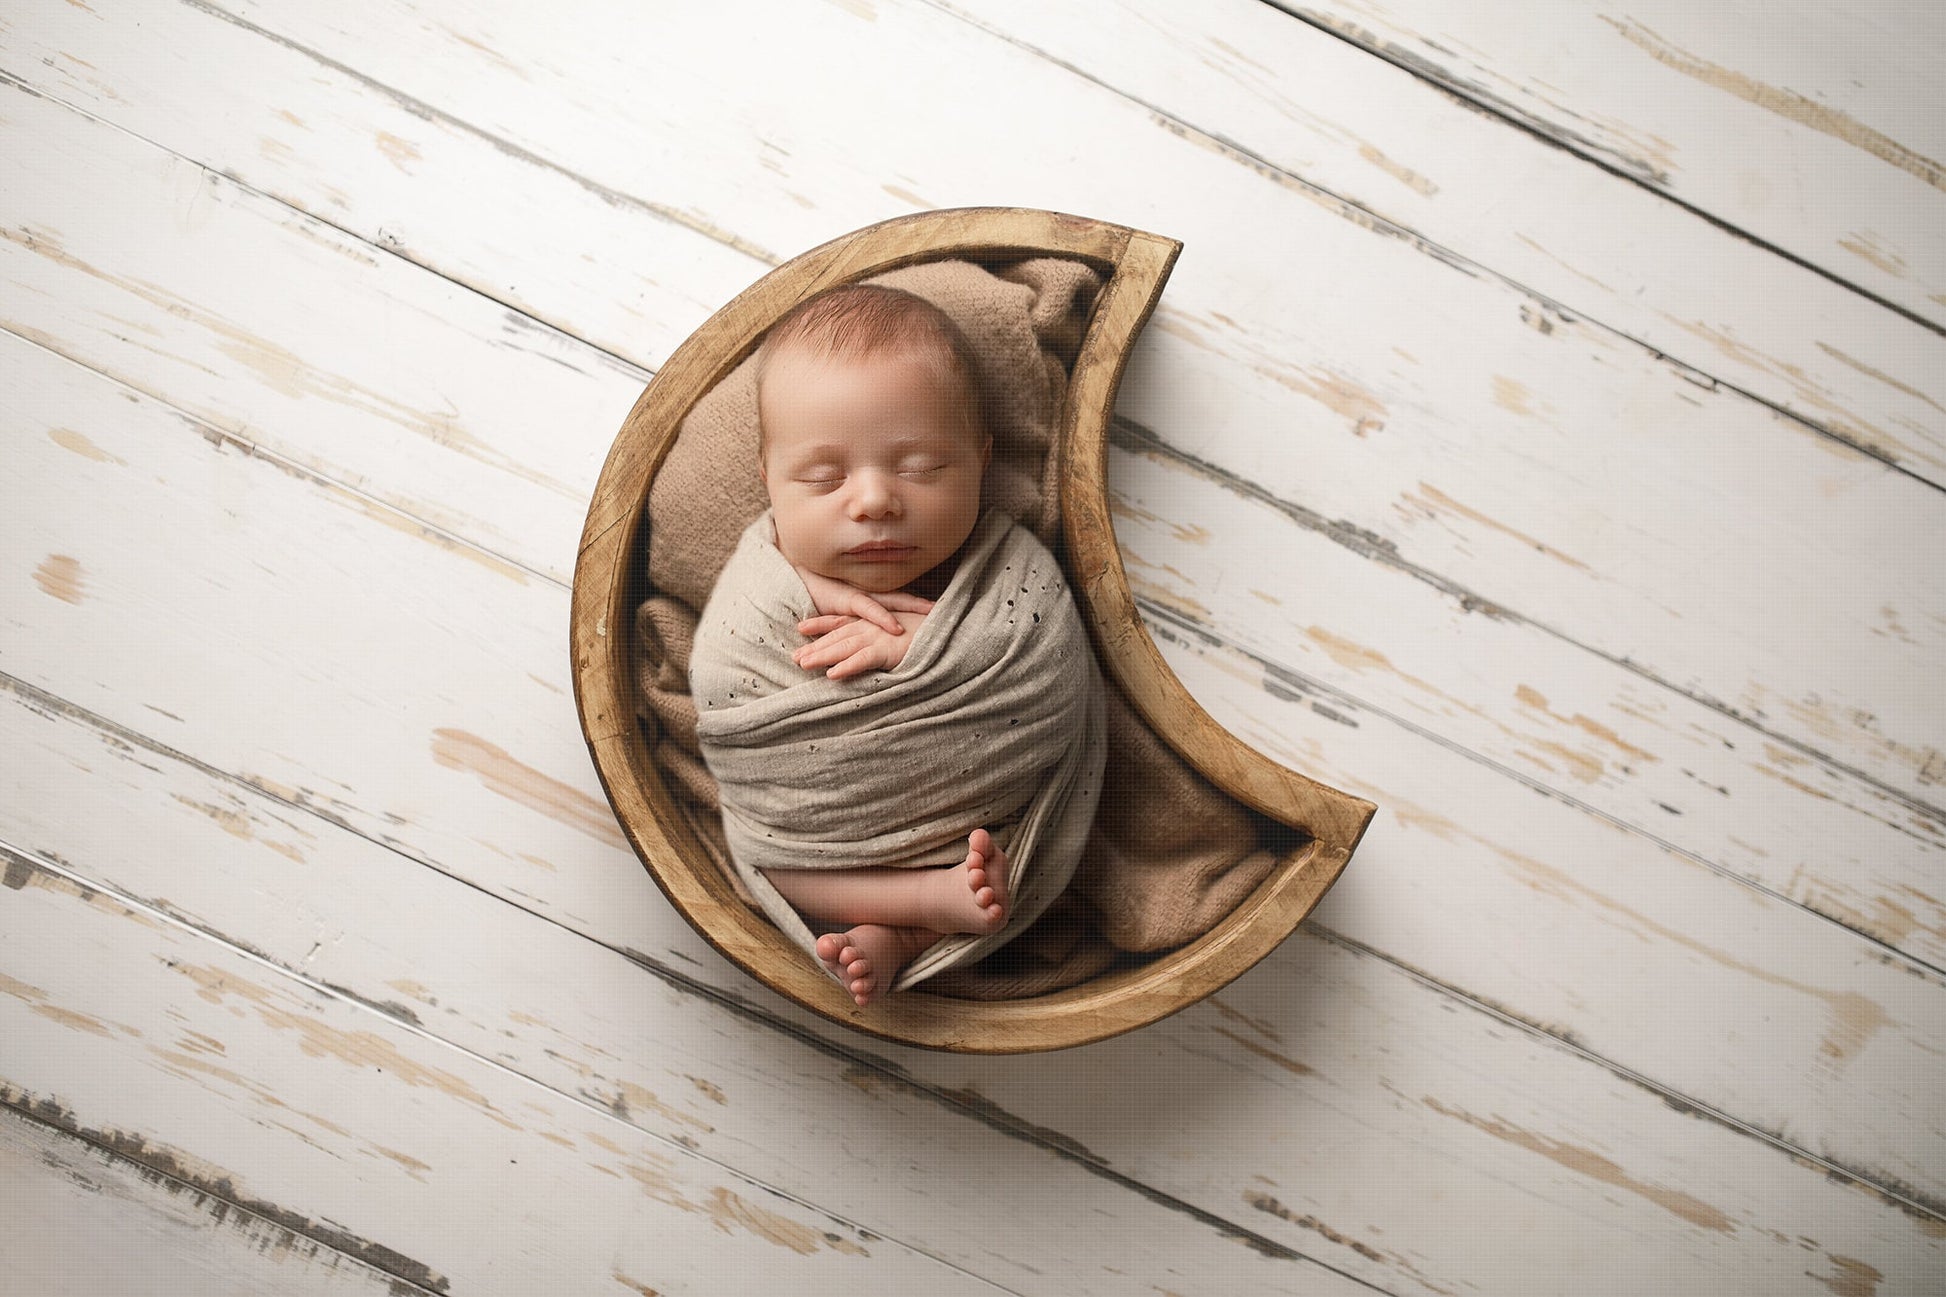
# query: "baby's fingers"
{"type": "Point", "coordinates": [823, 653]}
{"type": "Point", "coordinates": [866, 608]}
{"type": "Point", "coordinates": [813, 627]}
{"type": "Point", "coordinates": [865, 659]}
{"type": "Point", "coordinates": [900, 601]}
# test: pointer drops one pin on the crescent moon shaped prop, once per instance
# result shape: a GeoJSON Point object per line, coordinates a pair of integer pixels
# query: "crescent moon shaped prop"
{"type": "Point", "coordinates": [607, 588]}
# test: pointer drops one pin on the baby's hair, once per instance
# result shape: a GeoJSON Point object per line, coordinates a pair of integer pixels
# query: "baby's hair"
{"type": "Point", "coordinates": [853, 321]}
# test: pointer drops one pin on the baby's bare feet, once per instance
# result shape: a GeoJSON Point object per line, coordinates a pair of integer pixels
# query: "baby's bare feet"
{"type": "Point", "coordinates": [868, 958]}
{"type": "Point", "coordinates": [972, 895]}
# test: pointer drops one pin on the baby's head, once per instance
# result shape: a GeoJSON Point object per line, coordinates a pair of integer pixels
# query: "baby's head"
{"type": "Point", "coordinates": [871, 438]}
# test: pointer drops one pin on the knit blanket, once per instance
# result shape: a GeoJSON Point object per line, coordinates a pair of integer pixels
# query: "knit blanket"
{"type": "Point", "coordinates": [994, 719]}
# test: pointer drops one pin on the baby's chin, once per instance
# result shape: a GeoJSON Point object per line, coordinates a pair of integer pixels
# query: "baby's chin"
{"type": "Point", "coordinates": [878, 578]}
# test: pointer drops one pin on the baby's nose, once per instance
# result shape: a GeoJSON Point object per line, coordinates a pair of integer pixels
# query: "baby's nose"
{"type": "Point", "coordinates": [874, 496]}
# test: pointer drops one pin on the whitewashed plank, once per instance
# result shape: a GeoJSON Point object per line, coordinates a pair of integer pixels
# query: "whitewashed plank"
{"type": "Point", "coordinates": [408, 387]}
{"type": "Point", "coordinates": [1586, 729]}
{"type": "Point", "coordinates": [449, 1171]}
{"type": "Point", "coordinates": [1886, 915]}
{"type": "Point", "coordinates": [1551, 911]}
{"type": "Point", "coordinates": [1589, 242]}
{"type": "Point", "coordinates": [626, 273]}
{"type": "Point", "coordinates": [83, 1220]}
{"type": "Point", "coordinates": [671, 1042]}
{"type": "Point", "coordinates": [1660, 1201]}
{"type": "Point", "coordinates": [926, 1138]}
{"type": "Point", "coordinates": [1822, 1262]}
{"type": "Point", "coordinates": [1296, 97]}
{"type": "Point", "coordinates": [1813, 126]}
{"type": "Point", "coordinates": [1568, 474]}
{"type": "Point", "coordinates": [400, 645]}
{"type": "Point", "coordinates": [185, 584]}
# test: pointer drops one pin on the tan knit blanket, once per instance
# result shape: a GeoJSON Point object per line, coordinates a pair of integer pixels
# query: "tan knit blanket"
{"type": "Point", "coordinates": [994, 719]}
{"type": "Point", "coordinates": [1170, 855]}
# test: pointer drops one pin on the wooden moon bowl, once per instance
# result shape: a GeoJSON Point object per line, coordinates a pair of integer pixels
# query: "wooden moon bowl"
{"type": "Point", "coordinates": [608, 586]}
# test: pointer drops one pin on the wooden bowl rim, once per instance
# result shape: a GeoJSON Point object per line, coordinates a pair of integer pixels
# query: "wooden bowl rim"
{"type": "Point", "coordinates": [607, 584]}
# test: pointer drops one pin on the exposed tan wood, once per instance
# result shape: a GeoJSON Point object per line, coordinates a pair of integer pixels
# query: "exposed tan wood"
{"type": "Point", "coordinates": [1611, 415]}
{"type": "Point", "coordinates": [1589, 533]}
{"type": "Point", "coordinates": [1463, 849]}
{"type": "Point", "coordinates": [606, 594]}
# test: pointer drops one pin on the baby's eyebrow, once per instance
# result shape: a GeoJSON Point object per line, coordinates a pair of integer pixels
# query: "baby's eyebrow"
{"type": "Point", "coordinates": [824, 451]}
{"type": "Point", "coordinates": [919, 441]}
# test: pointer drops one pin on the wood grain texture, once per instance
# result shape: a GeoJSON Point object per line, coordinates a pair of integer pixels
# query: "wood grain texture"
{"type": "Point", "coordinates": [1588, 731]}
{"type": "Point", "coordinates": [157, 1042]}
{"type": "Point", "coordinates": [638, 1040]}
{"type": "Point", "coordinates": [1583, 518]}
{"type": "Point", "coordinates": [662, 1035]}
{"type": "Point", "coordinates": [554, 827]}
{"type": "Point", "coordinates": [1893, 914]}
{"type": "Point", "coordinates": [1801, 129]}
{"type": "Point", "coordinates": [515, 811]}
{"type": "Point", "coordinates": [1489, 195]}
{"type": "Point", "coordinates": [1889, 916]}
{"type": "Point", "coordinates": [1589, 420]}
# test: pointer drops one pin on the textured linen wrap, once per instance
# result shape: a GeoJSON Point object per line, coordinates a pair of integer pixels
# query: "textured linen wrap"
{"type": "Point", "coordinates": [994, 719]}
{"type": "Point", "coordinates": [1170, 854]}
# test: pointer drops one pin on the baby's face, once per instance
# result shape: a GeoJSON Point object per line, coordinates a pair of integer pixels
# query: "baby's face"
{"type": "Point", "coordinates": [873, 473]}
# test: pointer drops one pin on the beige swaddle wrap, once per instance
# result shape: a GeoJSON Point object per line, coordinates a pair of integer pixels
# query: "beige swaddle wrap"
{"type": "Point", "coordinates": [994, 719]}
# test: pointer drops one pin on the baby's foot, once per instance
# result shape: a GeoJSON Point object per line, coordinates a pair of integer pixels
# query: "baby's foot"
{"type": "Point", "coordinates": [868, 958]}
{"type": "Point", "coordinates": [972, 895]}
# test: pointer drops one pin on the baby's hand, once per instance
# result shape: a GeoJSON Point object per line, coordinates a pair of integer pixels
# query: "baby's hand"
{"type": "Point", "coordinates": [844, 646]}
{"type": "Point", "coordinates": [835, 598]}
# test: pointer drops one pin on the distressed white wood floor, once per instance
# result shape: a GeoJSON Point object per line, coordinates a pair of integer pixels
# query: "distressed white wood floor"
{"type": "Point", "coordinates": [1544, 435]}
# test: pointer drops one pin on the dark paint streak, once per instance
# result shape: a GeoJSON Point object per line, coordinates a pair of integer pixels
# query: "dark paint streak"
{"type": "Point", "coordinates": [162, 1162]}
{"type": "Point", "coordinates": [81, 1163]}
{"type": "Point", "coordinates": [1263, 1202]}
{"type": "Point", "coordinates": [386, 1008]}
{"type": "Point", "coordinates": [1290, 1065]}
{"type": "Point", "coordinates": [1476, 97]}
{"type": "Point", "coordinates": [1356, 213]}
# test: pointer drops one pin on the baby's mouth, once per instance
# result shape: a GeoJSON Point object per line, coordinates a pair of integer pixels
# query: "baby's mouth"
{"type": "Point", "coordinates": [879, 551]}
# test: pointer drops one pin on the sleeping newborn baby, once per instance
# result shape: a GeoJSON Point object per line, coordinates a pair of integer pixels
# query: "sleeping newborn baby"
{"type": "Point", "coordinates": [894, 691]}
